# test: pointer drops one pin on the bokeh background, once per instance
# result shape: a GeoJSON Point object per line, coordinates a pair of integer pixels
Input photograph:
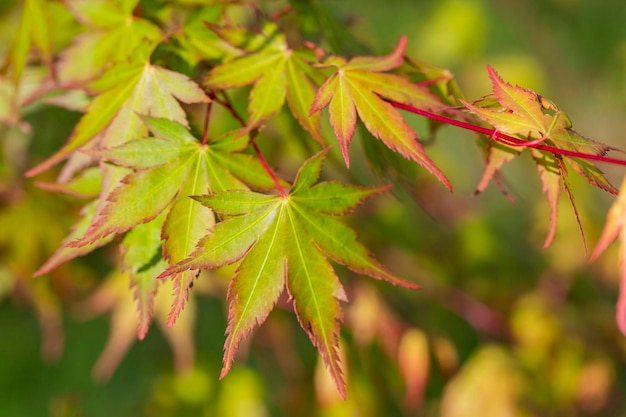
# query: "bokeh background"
{"type": "Point", "coordinates": [501, 327]}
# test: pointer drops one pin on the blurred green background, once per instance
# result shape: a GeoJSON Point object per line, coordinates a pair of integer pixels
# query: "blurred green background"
{"type": "Point", "coordinates": [502, 327]}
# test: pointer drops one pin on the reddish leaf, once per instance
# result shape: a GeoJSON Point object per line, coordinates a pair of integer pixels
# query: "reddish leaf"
{"type": "Point", "coordinates": [359, 84]}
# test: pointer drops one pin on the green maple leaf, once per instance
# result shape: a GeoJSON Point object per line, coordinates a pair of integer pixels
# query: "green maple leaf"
{"type": "Point", "coordinates": [113, 35]}
{"type": "Point", "coordinates": [284, 241]}
{"type": "Point", "coordinates": [165, 170]}
{"type": "Point", "coordinates": [277, 72]}
{"type": "Point", "coordinates": [517, 111]}
{"type": "Point", "coordinates": [196, 42]}
{"type": "Point", "coordinates": [127, 91]}
{"type": "Point", "coordinates": [33, 29]}
{"type": "Point", "coordinates": [359, 86]}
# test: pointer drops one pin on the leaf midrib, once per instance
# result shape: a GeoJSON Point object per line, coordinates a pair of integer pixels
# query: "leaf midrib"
{"type": "Point", "coordinates": [308, 277]}
{"type": "Point", "coordinates": [256, 281]}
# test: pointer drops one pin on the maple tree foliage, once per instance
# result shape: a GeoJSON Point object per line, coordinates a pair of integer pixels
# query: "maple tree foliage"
{"type": "Point", "coordinates": [186, 199]}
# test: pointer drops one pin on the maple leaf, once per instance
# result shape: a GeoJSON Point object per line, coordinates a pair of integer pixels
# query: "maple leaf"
{"type": "Point", "coordinates": [284, 241]}
{"type": "Point", "coordinates": [138, 88]}
{"type": "Point", "coordinates": [613, 229]}
{"type": "Point", "coordinates": [519, 112]}
{"type": "Point", "coordinates": [277, 72]}
{"type": "Point", "coordinates": [127, 91]}
{"type": "Point", "coordinates": [113, 35]}
{"type": "Point", "coordinates": [33, 28]}
{"type": "Point", "coordinates": [359, 86]}
{"type": "Point", "coordinates": [165, 170]}
{"type": "Point", "coordinates": [196, 42]}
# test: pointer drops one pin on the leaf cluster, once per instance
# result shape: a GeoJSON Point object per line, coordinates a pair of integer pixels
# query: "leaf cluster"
{"type": "Point", "coordinates": [189, 192]}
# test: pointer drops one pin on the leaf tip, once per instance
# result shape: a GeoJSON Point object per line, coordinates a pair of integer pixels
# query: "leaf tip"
{"type": "Point", "coordinates": [345, 152]}
{"type": "Point", "coordinates": [225, 369]}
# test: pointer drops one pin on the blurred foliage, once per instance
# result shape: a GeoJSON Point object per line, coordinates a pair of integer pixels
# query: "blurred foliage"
{"type": "Point", "coordinates": [500, 328]}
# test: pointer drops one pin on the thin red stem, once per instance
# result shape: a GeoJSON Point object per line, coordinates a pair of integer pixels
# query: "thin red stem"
{"type": "Point", "coordinates": [267, 168]}
{"type": "Point", "coordinates": [207, 118]}
{"type": "Point", "coordinates": [225, 102]}
{"type": "Point", "coordinates": [280, 13]}
{"type": "Point", "coordinates": [506, 139]}
{"type": "Point", "coordinates": [228, 106]}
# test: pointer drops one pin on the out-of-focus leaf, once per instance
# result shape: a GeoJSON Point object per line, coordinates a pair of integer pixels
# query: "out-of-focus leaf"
{"type": "Point", "coordinates": [114, 35]}
{"type": "Point", "coordinates": [489, 385]}
{"type": "Point", "coordinates": [34, 28]}
{"type": "Point", "coordinates": [278, 73]}
{"type": "Point", "coordinates": [614, 228]}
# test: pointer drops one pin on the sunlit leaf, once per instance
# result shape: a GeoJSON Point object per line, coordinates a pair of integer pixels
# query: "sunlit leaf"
{"type": "Point", "coordinates": [284, 240]}
{"type": "Point", "coordinates": [277, 73]}
{"type": "Point", "coordinates": [520, 112]}
{"type": "Point", "coordinates": [166, 170]}
{"type": "Point", "coordinates": [359, 86]}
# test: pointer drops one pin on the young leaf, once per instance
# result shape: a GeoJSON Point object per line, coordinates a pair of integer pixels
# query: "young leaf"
{"type": "Point", "coordinates": [277, 72]}
{"type": "Point", "coordinates": [520, 112]}
{"type": "Point", "coordinates": [497, 155]}
{"type": "Point", "coordinates": [550, 173]}
{"type": "Point", "coordinates": [359, 86]}
{"type": "Point", "coordinates": [614, 228]}
{"type": "Point", "coordinates": [114, 35]}
{"type": "Point", "coordinates": [138, 89]}
{"type": "Point", "coordinates": [33, 28]}
{"type": "Point", "coordinates": [284, 240]}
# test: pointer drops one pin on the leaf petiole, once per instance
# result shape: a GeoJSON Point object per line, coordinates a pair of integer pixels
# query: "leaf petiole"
{"type": "Point", "coordinates": [228, 106]}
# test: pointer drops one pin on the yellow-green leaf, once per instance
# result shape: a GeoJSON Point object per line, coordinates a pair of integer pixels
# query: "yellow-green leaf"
{"type": "Point", "coordinates": [284, 240]}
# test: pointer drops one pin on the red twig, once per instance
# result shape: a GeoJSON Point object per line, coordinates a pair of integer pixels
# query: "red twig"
{"type": "Point", "coordinates": [228, 106]}
{"type": "Point", "coordinates": [207, 117]}
{"type": "Point", "coordinates": [225, 102]}
{"type": "Point", "coordinates": [506, 139]}
{"type": "Point", "coordinates": [267, 168]}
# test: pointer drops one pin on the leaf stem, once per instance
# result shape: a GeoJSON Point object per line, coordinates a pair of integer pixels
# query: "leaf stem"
{"type": "Point", "coordinates": [225, 101]}
{"type": "Point", "coordinates": [506, 139]}
{"type": "Point", "coordinates": [207, 118]}
{"type": "Point", "coordinates": [269, 171]}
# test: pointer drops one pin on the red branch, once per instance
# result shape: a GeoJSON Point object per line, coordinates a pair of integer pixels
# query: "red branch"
{"type": "Point", "coordinates": [506, 139]}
